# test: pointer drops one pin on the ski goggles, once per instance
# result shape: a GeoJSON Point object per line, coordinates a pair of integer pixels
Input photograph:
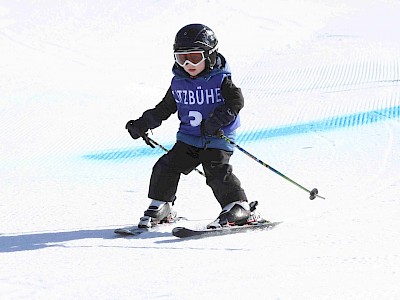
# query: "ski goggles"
{"type": "Point", "coordinates": [192, 57]}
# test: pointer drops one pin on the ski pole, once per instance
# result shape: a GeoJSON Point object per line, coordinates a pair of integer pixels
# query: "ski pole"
{"type": "Point", "coordinates": [166, 150]}
{"type": "Point", "coordinates": [313, 193]}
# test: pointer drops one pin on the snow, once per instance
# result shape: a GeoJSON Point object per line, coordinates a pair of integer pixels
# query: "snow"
{"type": "Point", "coordinates": [322, 92]}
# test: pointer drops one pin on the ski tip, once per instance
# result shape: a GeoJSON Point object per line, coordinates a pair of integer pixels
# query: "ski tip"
{"type": "Point", "coordinates": [178, 227]}
{"type": "Point", "coordinates": [177, 230]}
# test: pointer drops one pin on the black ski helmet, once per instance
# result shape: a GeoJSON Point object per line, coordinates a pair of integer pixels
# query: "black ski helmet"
{"type": "Point", "coordinates": [198, 37]}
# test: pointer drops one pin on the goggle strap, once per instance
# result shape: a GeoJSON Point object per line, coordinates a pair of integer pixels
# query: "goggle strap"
{"type": "Point", "coordinates": [213, 50]}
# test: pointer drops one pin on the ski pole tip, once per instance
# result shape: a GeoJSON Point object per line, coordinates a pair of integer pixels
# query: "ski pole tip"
{"type": "Point", "coordinates": [313, 194]}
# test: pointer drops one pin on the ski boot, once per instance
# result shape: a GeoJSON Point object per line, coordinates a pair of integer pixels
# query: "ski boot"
{"type": "Point", "coordinates": [157, 213]}
{"type": "Point", "coordinates": [237, 213]}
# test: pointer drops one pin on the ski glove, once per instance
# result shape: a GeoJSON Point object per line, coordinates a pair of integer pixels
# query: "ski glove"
{"type": "Point", "coordinates": [221, 116]}
{"type": "Point", "coordinates": [137, 128]}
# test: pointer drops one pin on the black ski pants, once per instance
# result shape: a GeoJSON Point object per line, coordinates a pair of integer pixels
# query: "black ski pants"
{"type": "Point", "coordinates": [184, 158]}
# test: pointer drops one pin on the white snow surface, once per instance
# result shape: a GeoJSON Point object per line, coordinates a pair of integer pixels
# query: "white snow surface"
{"type": "Point", "coordinates": [321, 81]}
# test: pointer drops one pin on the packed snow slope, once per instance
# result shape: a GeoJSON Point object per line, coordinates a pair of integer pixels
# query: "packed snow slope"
{"type": "Point", "coordinates": [321, 81]}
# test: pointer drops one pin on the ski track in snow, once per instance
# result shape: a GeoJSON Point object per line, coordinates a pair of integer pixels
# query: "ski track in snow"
{"type": "Point", "coordinates": [322, 90]}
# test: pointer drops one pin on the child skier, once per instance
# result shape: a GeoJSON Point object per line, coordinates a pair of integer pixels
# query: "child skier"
{"type": "Point", "coordinates": [208, 104]}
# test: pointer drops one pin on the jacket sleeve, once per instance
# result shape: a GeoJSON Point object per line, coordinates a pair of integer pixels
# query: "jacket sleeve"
{"type": "Point", "coordinates": [162, 111]}
{"type": "Point", "coordinates": [226, 113]}
{"type": "Point", "coordinates": [232, 95]}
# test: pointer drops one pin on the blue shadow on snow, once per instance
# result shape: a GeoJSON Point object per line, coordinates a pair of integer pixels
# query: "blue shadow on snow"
{"type": "Point", "coordinates": [345, 121]}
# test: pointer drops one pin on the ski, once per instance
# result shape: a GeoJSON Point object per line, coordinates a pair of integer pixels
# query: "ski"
{"type": "Point", "coordinates": [135, 230]}
{"type": "Point", "coordinates": [184, 232]}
